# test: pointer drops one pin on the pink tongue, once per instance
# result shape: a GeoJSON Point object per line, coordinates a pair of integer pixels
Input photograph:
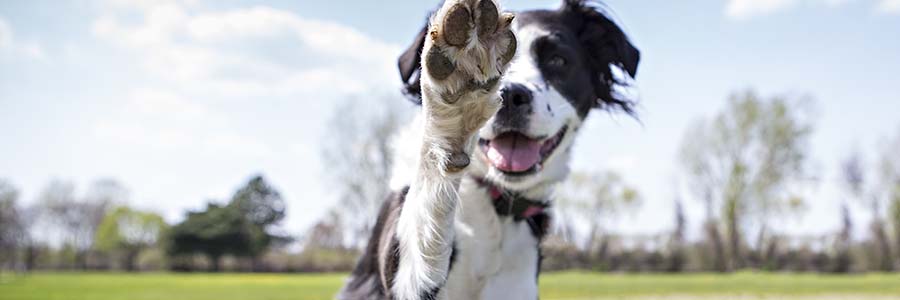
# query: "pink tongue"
{"type": "Point", "coordinates": [514, 153]}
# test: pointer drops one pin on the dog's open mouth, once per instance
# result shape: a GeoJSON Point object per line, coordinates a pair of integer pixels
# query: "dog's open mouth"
{"type": "Point", "coordinates": [516, 154]}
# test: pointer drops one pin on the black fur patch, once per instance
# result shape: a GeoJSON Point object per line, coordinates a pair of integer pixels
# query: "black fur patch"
{"type": "Point", "coordinates": [374, 273]}
{"type": "Point", "coordinates": [511, 204]}
{"type": "Point", "coordinates": [539, 224]}
{"type": "Point", "coordinates": [391, 264]}
{"type": "Point", "coordinates": [582, 35]}
{"type": "Point", "coordinates": [410, 64]}
{"type": "Point", "coordinates": [430, 294]}
{"type": "Point", "coordinates": [539, 261]}
{"type": "Point", "coordinates": [453, 253]}
{"type": "Point", "coordinates": [575, 57]}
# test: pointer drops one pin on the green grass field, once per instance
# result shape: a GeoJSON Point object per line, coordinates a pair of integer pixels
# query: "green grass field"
{"type": "Point", "coordinates": [557, 286]}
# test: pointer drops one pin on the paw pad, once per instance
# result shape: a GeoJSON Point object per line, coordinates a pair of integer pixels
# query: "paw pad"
{"type": "Point", "coordinates": [487, 24]}
{"type": "Point", "coordinates": [439, 65]}
{"type": "Point", "coordinates": [510, 49]}
{"type": "Point", "coordinates": [471, 38]}
{"type": "Point", "coordinates": [457, 24]}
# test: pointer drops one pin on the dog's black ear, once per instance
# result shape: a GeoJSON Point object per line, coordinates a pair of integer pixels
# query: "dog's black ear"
{"type": "Point", "coordinates": [606, 44]}
{"type": "Point", "coordinates": [410, 66]}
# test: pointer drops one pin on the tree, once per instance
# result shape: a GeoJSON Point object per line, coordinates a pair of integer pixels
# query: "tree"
{"type": "Point", "coordinates": [596, 198]}
{"type": "Point", "coordinates": [704, 182]}
{"type": "Point", "coordinates": [127, 232]}
{"type": "Point", "coordinates": [259, 202]}
{"type": "Point", "coordinates": [216, 231]}
{"type": "Point", "coordinates": [890, 184]}
{"type": "Point", "coordinates": [327, 234]}
{"type": "Point", "coordinates": [262, 207]}
{"type": "Point", "coordinates": [895, 216]}
{"type": "Point", "coordinates": [12, 228]}
{"type": "Point", "coordinates": [241, 228]}
{"type": "Point", "coordinates": [743, 161]}
{"type": "Point", "coordinates": [860, 189]}
{"type": "Point", "coordinates": [77, 220]}
{"type": "Point", "coordinates": [676, 244]}
{"type": "Point", "coordinates": [844, 242]}
{"type": "Point", "coordinates": [360, 161]}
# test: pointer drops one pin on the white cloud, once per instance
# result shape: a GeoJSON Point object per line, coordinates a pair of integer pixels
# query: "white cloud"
{"type": "Point", "coordinates": [9, 44]}
{"type": "Point", "coordinates": [5, 34]}
{"type": "Point", "coordinates": [223, 51]}
{"type": "Point", "coordinates": [233, 91]}
{"type": "Point", "coordinates": [164, 121]}
{"type": "Point", "coordinates": [889, 6]}
{"type": "Point", "coordinates": [325, 37]}
{"type": "Point", "coordinates": [146, 4]}
{"type": "Point", "coordinates": [32, 50]}
{"type": "Point", "coordinates": [160, 103]}
{"type": "Point", "coordinates": [198, 58]}
{"type": "Point", "coordinates": [835, 3]}
{"type": "Point", "coordinates": [747, 9]}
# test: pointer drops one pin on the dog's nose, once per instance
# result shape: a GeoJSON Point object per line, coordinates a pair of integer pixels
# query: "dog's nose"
{"type": "Point", "coordinates": [516, 96]}
{"type": "Point", "coordinates": [516, 109]}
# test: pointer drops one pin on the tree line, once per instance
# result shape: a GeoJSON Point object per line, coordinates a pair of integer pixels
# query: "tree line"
{"type": "Point", "coordinates": [747, 167]}
{"type": "Point", "coordinates": [100, 231]}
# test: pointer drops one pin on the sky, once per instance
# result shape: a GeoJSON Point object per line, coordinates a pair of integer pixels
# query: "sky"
{"type": "Point", "coordinates": [182, 101]}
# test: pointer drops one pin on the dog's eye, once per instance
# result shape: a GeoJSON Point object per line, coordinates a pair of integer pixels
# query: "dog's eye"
{"type": "Point", "coordinates": [556, 61]}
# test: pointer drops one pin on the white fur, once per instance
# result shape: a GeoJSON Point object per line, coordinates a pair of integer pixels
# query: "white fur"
{"type": "Point", "coordinates": [522, 70]}
{"type": "Point", "coordinates": [451, 116]}
{"type": "Point", "coordinates": [516, 279]}
{"type": "Point", "coordinates": [497, 257]}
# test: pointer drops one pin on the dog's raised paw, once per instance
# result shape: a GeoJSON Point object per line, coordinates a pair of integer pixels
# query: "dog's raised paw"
{"type": "Point", "coordinates": [471, 44]}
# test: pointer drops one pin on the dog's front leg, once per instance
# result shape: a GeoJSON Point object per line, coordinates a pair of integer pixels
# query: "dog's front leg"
{"type": "Point", "coordinates": [468, 47]}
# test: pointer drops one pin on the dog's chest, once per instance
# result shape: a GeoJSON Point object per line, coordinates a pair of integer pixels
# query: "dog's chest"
{"type": "Point", "coordinates": [496, 257]}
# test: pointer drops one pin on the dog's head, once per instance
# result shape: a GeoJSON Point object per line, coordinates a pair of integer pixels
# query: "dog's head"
{"type": "Point", "coordinates": [569, 62]}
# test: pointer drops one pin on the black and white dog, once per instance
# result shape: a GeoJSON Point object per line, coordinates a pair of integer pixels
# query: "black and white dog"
{"type": "Point", "coordinates": [502, 98]}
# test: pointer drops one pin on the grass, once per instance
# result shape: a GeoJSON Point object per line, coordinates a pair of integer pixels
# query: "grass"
{"type": "Point", "coordinates": [557, 286]}
{"type": "Point", "coordinates": [720, 286]}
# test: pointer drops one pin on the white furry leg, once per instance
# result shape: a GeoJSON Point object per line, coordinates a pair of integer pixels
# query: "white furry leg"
{"type": "Point", "coordinates": [425, 234]}
{"type": "Point", "coordinates": [468, 47]}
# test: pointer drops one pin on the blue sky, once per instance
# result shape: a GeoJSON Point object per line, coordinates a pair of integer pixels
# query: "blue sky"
{"type": "Point", "coordinates": [182, 100]}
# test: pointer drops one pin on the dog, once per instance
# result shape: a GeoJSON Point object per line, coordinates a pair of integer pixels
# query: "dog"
{"type": "Point", "coordinates": [502, 98]}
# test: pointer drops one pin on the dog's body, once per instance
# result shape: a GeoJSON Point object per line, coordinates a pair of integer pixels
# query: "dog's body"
{"type": "Point", "coordinates": [464, 226]}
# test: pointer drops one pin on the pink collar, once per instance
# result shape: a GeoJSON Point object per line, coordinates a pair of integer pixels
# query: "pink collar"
{"type": "Point", "coordinates": [510, 203]}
